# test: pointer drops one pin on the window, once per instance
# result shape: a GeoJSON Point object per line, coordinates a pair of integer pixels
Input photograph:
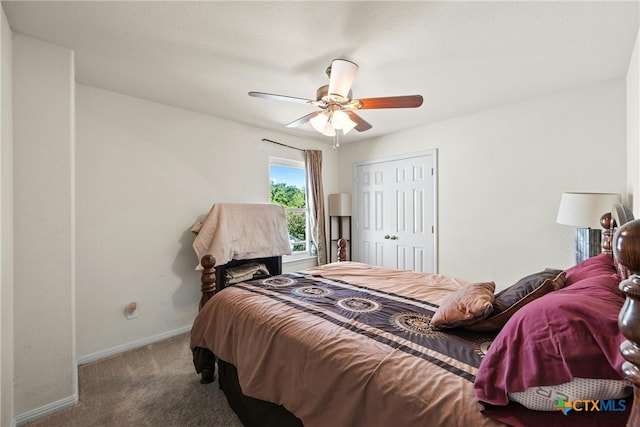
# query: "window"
{"type": "Point", "coordinates": [288, 189]}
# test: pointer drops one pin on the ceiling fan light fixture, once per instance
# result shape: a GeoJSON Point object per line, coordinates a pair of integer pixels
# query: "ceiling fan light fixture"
{"type": "Point", "coordinates": [350, 125]}
{"type": "Point", "coordinates": [343, 73]}
{"type": "Point", "coordinates": [341, 120]}
{"type": "Point", "coordinates": [321, 123]}
{"type": "Point", "coordinates": [328, 130]}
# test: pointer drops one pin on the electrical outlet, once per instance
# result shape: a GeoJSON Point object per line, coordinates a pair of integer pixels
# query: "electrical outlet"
{"type": "Point", "coordinates": [131, 310]}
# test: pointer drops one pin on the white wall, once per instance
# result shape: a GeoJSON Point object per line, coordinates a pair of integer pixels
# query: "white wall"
{"type": "Point", "coordinates": [501, 174]}
{"type": "Point", "coordinates": [43, 128]}
{"type": "Point", "coordinates": [145, 173]}
{"type": "Point", "coordinates": [6, 226]}
{"type": "Point", "coordinates": [633, 130]}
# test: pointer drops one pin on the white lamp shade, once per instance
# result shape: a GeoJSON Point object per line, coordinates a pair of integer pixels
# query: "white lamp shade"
{"type": "Point", "coordinates": [328, 130]}
{"type": "Point", "coordinates": [341, 120]}
{"type": "Point", "coordinates": [342, 74]}
{"type": "Point", "coordinates": [585, 209]}
{"type": "Point", "coordinates": [320, 122]}
{"type": "Point", "coordinates": [350, 125]}
{"type": "Point", "coordinates": [340, 204]}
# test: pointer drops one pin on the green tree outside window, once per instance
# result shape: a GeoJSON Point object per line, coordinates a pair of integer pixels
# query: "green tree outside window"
{"type": "Point", "coordinates": [292, 197]}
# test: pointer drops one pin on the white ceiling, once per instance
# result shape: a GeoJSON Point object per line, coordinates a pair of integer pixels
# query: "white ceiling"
{"type": "Point", "coordinates": [461, 57]}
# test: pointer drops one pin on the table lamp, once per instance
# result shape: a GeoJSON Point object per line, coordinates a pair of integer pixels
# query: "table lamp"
{"type": "Point", "coordinates": [583, 210]}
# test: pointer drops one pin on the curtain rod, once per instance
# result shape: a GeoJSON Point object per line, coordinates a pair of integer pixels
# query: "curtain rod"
{"type": "Point", "coordinates": [280, 143]}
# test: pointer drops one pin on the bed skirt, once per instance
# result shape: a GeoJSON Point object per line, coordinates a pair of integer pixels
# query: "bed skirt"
{"type": "Point", "coordinates": [252, 412]}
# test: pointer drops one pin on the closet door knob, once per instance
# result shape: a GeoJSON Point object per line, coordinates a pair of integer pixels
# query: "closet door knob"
{"type": "Point", "coordinates": [387, 236]}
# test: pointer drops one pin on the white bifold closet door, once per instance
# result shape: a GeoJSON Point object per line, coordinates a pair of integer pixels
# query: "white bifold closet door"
{"type": "Point", "coordinates": [395, 212]}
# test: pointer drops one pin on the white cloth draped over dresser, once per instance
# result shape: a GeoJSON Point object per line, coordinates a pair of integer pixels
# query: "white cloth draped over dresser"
{"type": "Point", "coordinates": [242, 231]}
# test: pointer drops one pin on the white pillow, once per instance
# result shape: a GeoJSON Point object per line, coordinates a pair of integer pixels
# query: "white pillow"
{"type": "Point", "coordinates": [545, 398]}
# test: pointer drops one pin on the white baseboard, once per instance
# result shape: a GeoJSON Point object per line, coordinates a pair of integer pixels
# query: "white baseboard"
{"type": "Point", "coordinates": [47, 409]}
{"type": "Point", "coordinates": [67, 402]}
{"type": "Point", "coordinates": [131, 345]}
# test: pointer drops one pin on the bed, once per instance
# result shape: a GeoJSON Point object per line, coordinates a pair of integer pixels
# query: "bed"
{"type": "Point", "coordinates": [349, 344]}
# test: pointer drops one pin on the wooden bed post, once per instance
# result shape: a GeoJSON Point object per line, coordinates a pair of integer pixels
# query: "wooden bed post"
{"type": "Point", "coordinates": [627, 251]}
{"type": "Point", "coordinates": [629, 321]}
{"type": "Point", "coordinates": [208, 278]}
{"type": "Point", "coordinates": [606, 221]}
{"type": "Point", "coordinates": [342, 251]}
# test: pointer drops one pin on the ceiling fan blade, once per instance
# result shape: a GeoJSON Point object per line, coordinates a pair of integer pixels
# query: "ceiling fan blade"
{"type": "Point", "coordinates": [341, 77]}
{"type": "Point", "coordinates": [304, 119]}
{"type": "Point", "coordinates": [280, 97]}
{"type": "Point", "coordinates": [361, 124]}
{"type": "Point", "coordinates": [409, 101]}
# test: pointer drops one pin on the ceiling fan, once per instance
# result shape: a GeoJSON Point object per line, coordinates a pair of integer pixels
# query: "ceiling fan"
{"type": "Point", "coordinates": [336, 104]}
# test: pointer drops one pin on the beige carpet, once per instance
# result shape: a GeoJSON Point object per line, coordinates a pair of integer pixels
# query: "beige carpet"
{"type": "Point", "coordinates": [155, 385]}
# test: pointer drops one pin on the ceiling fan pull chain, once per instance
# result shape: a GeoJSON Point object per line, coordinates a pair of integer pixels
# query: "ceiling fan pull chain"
{"type": "Point", "coordinates": [336, 143]}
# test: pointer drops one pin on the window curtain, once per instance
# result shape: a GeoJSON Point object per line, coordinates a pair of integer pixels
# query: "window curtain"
{"type": "Point", "coordinates": [315, 204]}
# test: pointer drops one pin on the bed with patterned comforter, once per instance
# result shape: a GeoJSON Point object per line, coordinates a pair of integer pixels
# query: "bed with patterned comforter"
{"type": "Point", "coordinates": [348, 344]}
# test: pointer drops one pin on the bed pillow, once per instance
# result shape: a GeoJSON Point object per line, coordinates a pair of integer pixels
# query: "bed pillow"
{"type": "Point", "coordinates": [545, 398]}
{"type": "Point", "coordinates": [468, 304]}
{"type": "Point", "coordinates": [599, 265]}
{"type": "Point", "coordinates": [516, 296]}
{"type": "Point", "coordinates": [566, 334]}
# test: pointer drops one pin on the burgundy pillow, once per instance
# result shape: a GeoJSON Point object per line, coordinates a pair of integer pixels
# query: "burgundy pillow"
{"type": "Point", "coordinates": [599, 265]}
{"type": "Point", "coordinates": [569, 333]}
